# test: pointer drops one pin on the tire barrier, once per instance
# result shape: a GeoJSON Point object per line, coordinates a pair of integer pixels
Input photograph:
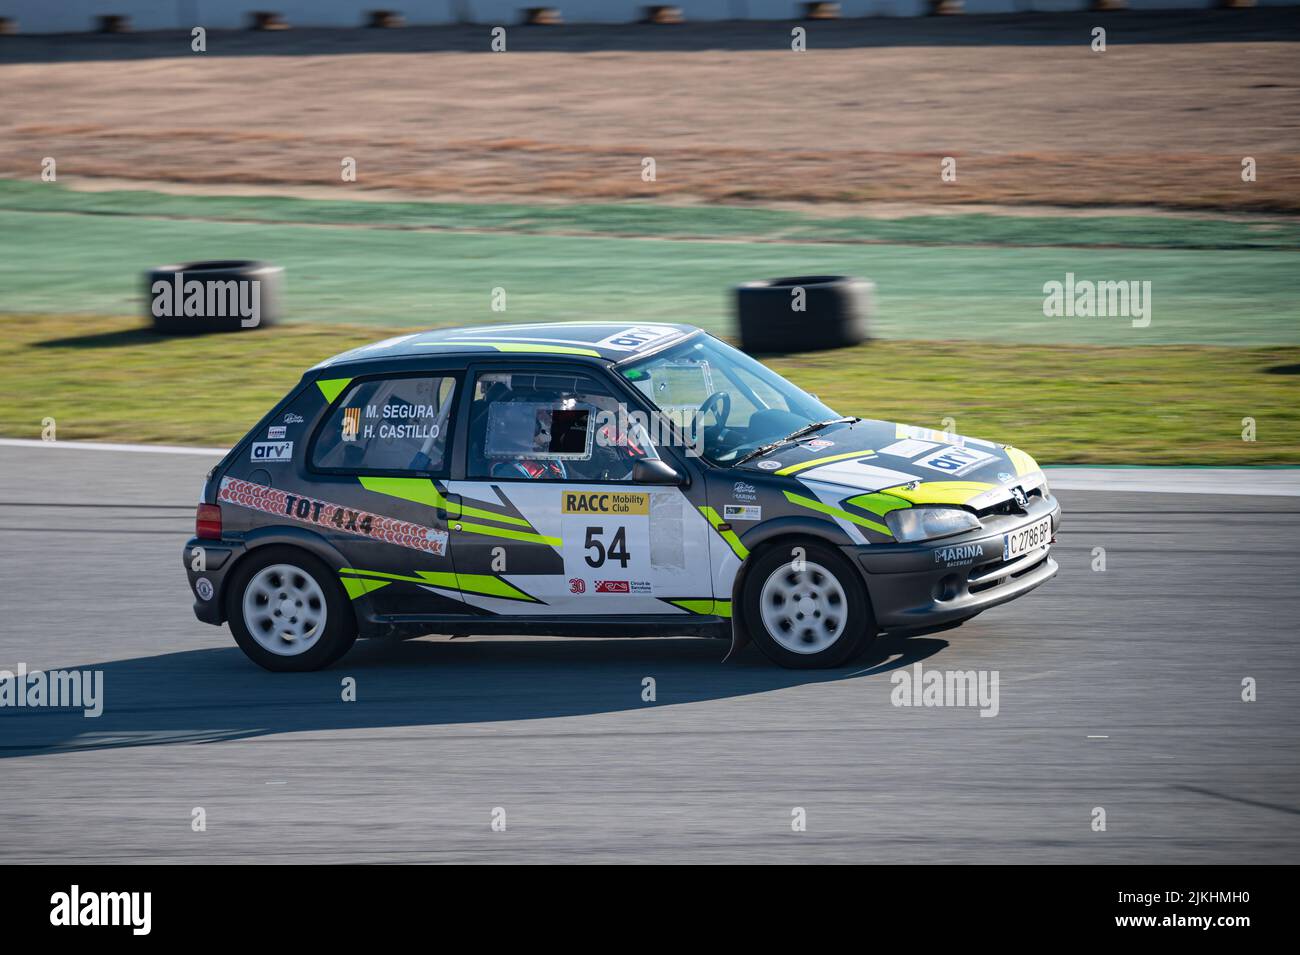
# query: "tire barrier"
{"type": "Point", "coordinates": [662, 15]}
{"type": "Point", "coordinates": [385, 20]}
{"type": "Point", "coordinates": [224, 296]}
{"type": "Point", "coordinates": [804, 313]}
{"type": "Point", "coordinates": [267, 20]}
{"type": "Point", "coordinates": [542, 16]}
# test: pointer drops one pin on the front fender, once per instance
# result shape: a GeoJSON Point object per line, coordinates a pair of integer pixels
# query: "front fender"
{"type": "Point", "coordinates": [769, 534]}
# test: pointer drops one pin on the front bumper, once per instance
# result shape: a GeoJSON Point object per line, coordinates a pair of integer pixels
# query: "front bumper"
{"type": "Point", "coordinates": [937, 583]}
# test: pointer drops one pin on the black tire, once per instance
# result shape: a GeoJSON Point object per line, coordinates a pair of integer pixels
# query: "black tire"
{"type": "Point", "coordinates": [859, 629]}
{"type": "Point", "coordinates": [269, 279]}
{"type": "Point", "coordinates": [339, 632]}
{"type": "Point", "coordinates": [835, 314]}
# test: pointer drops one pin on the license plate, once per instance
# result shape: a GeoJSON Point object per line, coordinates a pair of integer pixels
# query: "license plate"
{"type": "Point", "coordinates": [1029, 537]}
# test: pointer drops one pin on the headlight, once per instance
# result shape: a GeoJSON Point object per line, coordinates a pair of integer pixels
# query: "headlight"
{"type": "Point", "coordinates": [927, 523]}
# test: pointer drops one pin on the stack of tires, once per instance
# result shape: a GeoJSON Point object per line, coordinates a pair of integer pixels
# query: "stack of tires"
{"type": "Point", "coordinates": [224, 296]}
{"type": "Point", "coordinates": [804, 313]}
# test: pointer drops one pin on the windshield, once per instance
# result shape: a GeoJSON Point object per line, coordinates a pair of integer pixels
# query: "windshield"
{"type": "Point", "coordinates": [720, 395]}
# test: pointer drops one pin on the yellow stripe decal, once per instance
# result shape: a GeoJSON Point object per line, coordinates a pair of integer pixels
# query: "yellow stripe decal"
{"type": "Point", "coordinates": [739, 549]}
{"type": "Point", "coordinates": [356, 587]}
{"type": "Point", "coordinates": [704, 605]}
{"type": "Point", "coordinates": [423, 491]}
{"type": "Point", "coordinates": [941, 492]}
{"type": "Point", "coordinates": [525, 537]}
{"type": "Point", "coordinates": [1024, 464]}
{"type": "Point", "coordinates": [878, 504]}
{"type": "Point", "coordinates": [816, 505]}
{"type": "Point", "coordinates": [517, 347]}
{"type": "Point", "coordinates": [482, 584]}
{"type": "Point", "coordinates": [804, 465]}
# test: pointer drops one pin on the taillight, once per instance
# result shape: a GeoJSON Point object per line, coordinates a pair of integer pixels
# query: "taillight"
{"type": "Point", "coordinates": [207, 522]}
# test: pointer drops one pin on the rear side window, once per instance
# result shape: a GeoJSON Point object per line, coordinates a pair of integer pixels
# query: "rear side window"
{"type": "Point", "coordinates": [388, 424]}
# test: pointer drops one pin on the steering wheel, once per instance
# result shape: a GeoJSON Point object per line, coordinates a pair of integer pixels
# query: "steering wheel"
{"type": "Point", "coordinates": [723, 410]}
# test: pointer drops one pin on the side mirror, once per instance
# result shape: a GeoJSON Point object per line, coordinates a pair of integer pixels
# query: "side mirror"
{"type": "Point", "coordinates": [655, 471]}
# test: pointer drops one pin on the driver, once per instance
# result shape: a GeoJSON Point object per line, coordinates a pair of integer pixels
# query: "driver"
{"type": "Point", "coordinates": [533, 470]}
{"type": "Point", "coordinates": [621, 445]}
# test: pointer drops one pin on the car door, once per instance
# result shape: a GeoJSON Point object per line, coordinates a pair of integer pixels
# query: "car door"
{"type": "Point", "coordinates": [381, 456]}
{"type": "Point", "coordinates": [547, 505]}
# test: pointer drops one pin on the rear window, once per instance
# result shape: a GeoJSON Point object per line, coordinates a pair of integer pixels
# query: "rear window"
{"type": "Point", "coordinates": [388, 424]}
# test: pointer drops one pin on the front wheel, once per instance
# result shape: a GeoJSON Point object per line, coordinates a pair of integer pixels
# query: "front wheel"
{"type": "Point", "coordinates": [806, 607]}
{"type": "Point", "coordinates": [287, 612]}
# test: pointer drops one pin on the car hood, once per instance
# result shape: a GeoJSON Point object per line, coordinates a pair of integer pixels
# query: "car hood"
{"type": "Point", "coordinates": [916, 464]}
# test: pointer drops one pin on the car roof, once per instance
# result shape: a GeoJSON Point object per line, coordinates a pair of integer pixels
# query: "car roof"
{"type": "Point", "coordinates": [610, 341]}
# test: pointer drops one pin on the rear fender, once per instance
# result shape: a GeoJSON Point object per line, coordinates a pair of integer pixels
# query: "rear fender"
{"type": "Point", "coordinates": [315, 544]}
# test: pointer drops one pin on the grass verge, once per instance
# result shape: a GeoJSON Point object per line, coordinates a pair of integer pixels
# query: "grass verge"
{"type": "Point", "coordinates": [61, 263]}
{"type": "Point", "coordinates": [110, 379]}
{"type": "Point", "coordinates": [653, 220]}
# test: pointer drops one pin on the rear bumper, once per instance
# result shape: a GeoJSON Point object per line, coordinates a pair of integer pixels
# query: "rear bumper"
{"type": "Point", "coordinates": [922, 586]}
{"type": "Point", "coordinates": [217, 557]}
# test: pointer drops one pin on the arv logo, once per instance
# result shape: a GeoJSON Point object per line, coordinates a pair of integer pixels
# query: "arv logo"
{"type": "Point", "coordinates": [272, 451]}
{"type": "Point", "coordinates": [75, 908]}
{"type": "Point", "coordinates": [636, 337]}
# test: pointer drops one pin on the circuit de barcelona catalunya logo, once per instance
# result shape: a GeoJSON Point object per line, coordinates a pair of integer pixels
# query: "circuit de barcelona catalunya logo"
{"type": "Point", "coordinates": [268, 500]}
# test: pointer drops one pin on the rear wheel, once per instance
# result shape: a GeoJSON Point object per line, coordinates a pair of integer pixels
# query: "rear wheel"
{"type": "Point", "coordinates": [806, 608]}
{"type": "Point", "coordinates": [287, 612]}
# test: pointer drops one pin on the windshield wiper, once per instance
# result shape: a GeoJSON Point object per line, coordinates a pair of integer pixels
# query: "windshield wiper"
{"type": "Point", "coordinates": [793, 436]}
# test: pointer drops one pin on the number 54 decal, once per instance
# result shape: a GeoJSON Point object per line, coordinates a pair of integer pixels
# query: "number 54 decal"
{"type": "Point", "coordinates": [598, 552]}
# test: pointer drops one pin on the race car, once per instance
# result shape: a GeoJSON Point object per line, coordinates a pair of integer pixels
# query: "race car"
{"type": "Point", "coordinates": [600, 479]}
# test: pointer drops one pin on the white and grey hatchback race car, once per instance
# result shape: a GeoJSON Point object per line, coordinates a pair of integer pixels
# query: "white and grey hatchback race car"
{"type": "Point", "coordinates": [595, 479]}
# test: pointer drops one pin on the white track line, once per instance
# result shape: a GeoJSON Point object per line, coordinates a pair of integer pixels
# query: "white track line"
{"type": "Point", "coordinates": [97, 446]}
{"type": "Point", "coordinates": [1279, 482]}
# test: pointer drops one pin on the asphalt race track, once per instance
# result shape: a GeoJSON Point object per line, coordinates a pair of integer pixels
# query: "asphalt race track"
{"type": "Point", "coordinates": [1199, 592]}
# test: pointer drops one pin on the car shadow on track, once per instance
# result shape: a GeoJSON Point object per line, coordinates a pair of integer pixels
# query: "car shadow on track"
{"type": "Point", "coordinates": [198, 696]}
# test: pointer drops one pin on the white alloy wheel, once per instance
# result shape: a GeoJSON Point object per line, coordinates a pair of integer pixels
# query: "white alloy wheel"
{"type": "Point", "coordinates": [284, 609]}
{"type": "Point", "coordinates": [804, 610]}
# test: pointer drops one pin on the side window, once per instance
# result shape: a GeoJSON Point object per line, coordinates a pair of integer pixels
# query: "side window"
{"type": "Point", "coordinates": [551, 427]}
{"type": "Point", "coordinates": [388, 424]}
